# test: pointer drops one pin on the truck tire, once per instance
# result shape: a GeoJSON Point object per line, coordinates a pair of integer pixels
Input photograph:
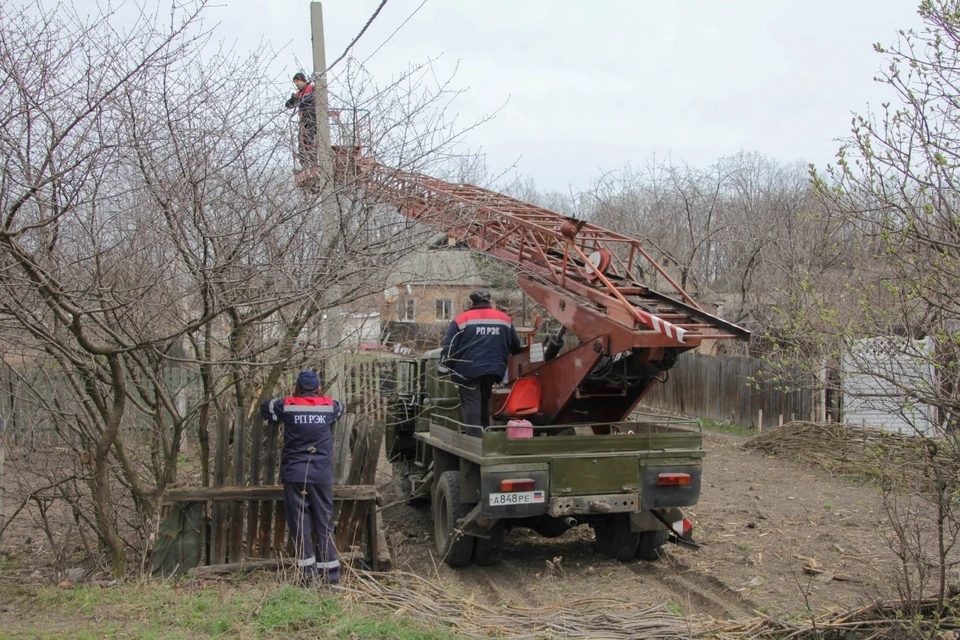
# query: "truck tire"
{"type": "Point", "coordinates": [453, 546]}
{"type": "Point", "coordinates": [651, 543]}
{"type": "Point", "coordinates": [487, 551]}
{"type": "Point", "coordinates": [614, 538]}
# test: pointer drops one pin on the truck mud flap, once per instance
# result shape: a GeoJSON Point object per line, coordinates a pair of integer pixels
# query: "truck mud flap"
{"type": "Point", "coordinates": [474, 524]}
{"type": "Point", "coordinates": [672, 534]}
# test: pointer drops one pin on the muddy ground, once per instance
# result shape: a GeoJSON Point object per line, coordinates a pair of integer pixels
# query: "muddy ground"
{"type": "Point", "coordinates": [761, 521]}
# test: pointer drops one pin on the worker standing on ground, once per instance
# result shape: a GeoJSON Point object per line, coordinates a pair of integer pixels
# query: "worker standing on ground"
{"type": "Point", "coordinates": [306, 471]}
{"type": "Point", "coordinates": [476, 349]}
{"type": "Point", "coordinates": [303, 102]}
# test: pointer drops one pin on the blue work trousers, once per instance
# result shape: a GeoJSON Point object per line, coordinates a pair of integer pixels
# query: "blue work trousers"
{"type": "Point", "coordinates": [309, 512]}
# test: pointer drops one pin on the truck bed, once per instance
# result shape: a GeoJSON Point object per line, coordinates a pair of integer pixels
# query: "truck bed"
{"type": "Point", "coordinates": [659, 440]}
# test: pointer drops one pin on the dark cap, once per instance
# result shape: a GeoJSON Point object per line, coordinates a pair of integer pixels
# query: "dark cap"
{"type": "Point", "coordinates": [480, 295]}
{"type": "Point", "coordinates": [308, 381]}
{"type": "Point", "coordinates": [299, 76]}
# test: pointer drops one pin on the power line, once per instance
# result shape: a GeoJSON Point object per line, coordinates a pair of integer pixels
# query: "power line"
{"type": "Point", "coordinates": [354, 41]}
{"type": "Point", "coordinates": [395, 32]}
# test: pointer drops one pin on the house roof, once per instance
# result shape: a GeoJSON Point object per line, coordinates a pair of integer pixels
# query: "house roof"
{"type": "Point", "coordinates": [437, 267]}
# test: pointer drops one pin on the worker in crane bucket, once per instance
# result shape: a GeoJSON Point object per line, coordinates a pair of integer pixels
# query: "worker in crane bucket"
{"type": "Point", "coordinates": [476, 350]}
{"type": "Point", "coordinates": [306, 471]}
{"type": "Point", "coordinates": [303, 101]}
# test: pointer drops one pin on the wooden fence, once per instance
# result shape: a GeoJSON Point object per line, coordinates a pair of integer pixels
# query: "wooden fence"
{"type": "Point", "coordinates": [244, 507]}
{"type": "Point", "coordinates": [734, 389]}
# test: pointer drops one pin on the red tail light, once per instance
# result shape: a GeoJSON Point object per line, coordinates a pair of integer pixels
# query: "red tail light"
{"type": "Point", "coordinates": [673, 479]}
{"type": "Point", "coordinates": [521, 484]}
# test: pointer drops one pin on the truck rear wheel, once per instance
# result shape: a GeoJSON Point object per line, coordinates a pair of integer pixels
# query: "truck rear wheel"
{"type": "Point", "coordinates": [614, 538]}
{"type": "Point", "coordinates": [650, 544]}
{"type": "Point", "coordinates": [487, 551]}
{"type": "Point", "coordinates": [453, 546]}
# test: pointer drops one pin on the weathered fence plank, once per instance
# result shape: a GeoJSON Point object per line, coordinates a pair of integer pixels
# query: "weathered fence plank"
{"type": "Point", "coordinates": [218, 524]}
{"type": "Point", "coordinates": [239, 479]}
{"type": "Point", "coordinates": [253, 507]}
{"type": "Point", "coordinates": [262, 493]}
{"type": "Point", "coordinates": [269, 477]}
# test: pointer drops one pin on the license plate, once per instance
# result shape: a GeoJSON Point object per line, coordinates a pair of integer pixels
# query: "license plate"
{"type": "Point", "coordinates": [516, 497]}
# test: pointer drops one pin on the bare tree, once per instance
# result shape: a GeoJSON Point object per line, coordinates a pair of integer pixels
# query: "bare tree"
{"type": "Point", "coordinates": [161, 268]}
{"type": "Point", "coordinates": [738, 233]}
{"type": "Point", "coordinates": [893, 195]}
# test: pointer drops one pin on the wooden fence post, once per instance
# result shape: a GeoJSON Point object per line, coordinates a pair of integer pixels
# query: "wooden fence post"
{"type": "Point", "coordinates": [239, 467]}
{"type": "Point", "coordinates": [363, 471]}
{"type": "Point", "coordinates": [218, 523]}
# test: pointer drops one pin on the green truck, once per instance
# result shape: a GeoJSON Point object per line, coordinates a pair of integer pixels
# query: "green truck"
{"type": "Point", "coordinates": [563, 449]}
{"type": "Point", "coordinates": [628, 482]}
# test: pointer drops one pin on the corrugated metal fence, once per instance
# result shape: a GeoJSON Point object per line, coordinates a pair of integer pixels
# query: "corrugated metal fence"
{"type": "Point", "coordinates": [734, 389]}
{"type": "Point", "coordinates": [33, 408]}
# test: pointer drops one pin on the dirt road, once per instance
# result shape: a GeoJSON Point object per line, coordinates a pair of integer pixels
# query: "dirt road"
{"type": "Point", "coordinates": [761, 521]}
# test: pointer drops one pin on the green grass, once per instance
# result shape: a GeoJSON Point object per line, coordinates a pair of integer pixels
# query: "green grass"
{"type": "Point", "coordinates": [248, 609]}
{"type": "Point", "coordinates": [727, 427]}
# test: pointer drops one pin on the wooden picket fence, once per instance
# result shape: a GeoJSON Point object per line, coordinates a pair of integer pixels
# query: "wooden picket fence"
{"type": "Point", "coordinates": [245, 504]}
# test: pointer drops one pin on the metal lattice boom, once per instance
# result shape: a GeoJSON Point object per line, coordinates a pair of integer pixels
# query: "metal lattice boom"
{"type": "Point", "coordinates": [595, 264]}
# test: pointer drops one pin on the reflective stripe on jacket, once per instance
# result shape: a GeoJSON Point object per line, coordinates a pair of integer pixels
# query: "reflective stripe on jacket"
{"type": "Point", "coordinates": [479, 342]}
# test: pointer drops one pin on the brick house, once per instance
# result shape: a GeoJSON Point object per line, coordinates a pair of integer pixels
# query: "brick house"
{"type": "Point", "coordinates": [429, 288]}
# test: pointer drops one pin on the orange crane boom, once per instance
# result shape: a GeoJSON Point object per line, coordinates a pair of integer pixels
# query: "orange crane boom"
{"type": "Point", "coordinates": [587, 277]}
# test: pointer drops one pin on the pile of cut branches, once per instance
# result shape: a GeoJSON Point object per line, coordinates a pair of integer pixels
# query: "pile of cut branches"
{"type": "Point", "coordinates": [849, 449]}
{"type": "Point", "coordinates": [415, 597]}
{"type": "Point", "coordinates": [418, 598]}
{"type": "Point", "coordinates": [882, 620]}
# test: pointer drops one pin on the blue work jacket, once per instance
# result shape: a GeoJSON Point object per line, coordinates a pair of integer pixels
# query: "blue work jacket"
{"type": "Point", "coordinates": [478, 343]}
{"type": "Point", "coordinates": [307, 454]}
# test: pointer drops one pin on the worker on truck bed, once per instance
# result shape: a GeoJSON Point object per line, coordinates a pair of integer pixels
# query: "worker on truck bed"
{"type": "Point", "coordinates": [303, 102]}
{"type": "Point", "coordinates": [306, 471]}
{"type": "Point", "coordinates": [476, 349]}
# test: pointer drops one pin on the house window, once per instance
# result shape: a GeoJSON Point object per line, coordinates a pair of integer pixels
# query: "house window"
{"type": "Point", "coordinates": [407, 309]}
{"type": "Point", "coordinates": [444, 309]}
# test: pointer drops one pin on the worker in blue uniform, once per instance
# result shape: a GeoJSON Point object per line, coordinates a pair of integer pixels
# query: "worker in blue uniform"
{"type": "Point", "coordinates": [476, 349]}
{"type": "Point", "coordinates": [306, 471]}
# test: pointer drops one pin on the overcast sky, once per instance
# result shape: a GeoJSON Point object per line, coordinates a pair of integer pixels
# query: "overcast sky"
{"type": "Point", "coordinates": [592, 86]}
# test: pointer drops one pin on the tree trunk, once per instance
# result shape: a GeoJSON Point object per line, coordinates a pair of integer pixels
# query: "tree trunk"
{"type": "Point", "coordinates": [103, 510]}
{"type": "Point", "coordinates": [102, 498]}
{"type": "Point", "coordinates": [3, 477]}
